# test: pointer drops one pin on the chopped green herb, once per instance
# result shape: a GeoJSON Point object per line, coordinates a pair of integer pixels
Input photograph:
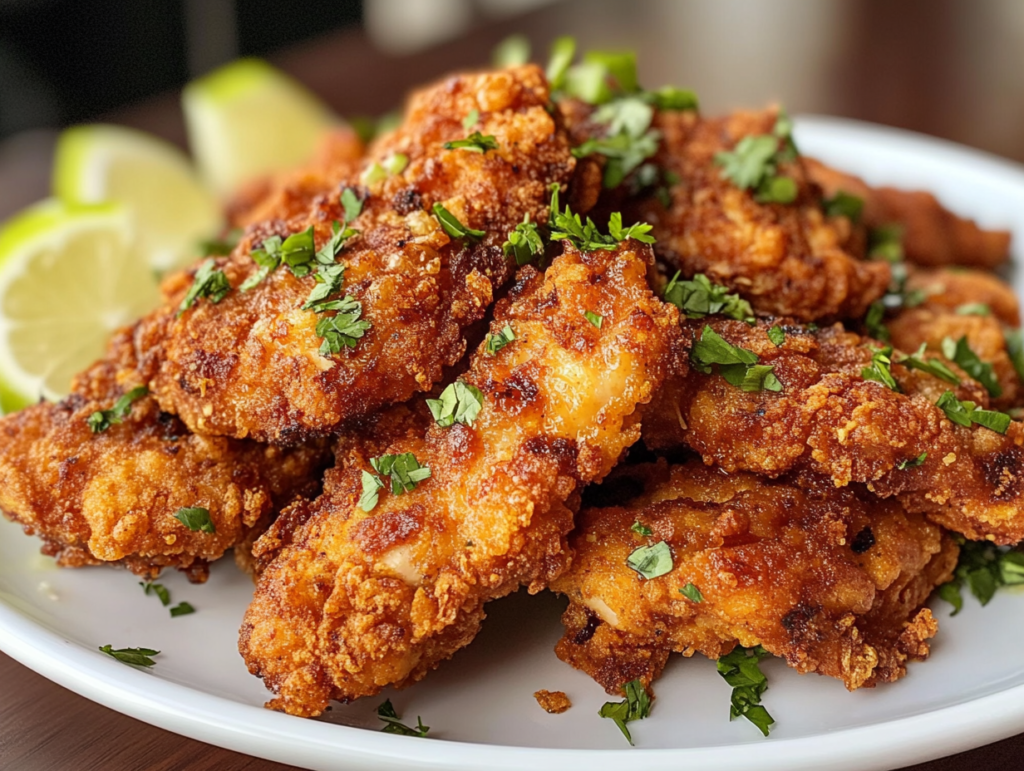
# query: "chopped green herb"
{"type": "Point", "coordinates": [195, 519]}
{"type": "Point", "coordinates": [777, 335]}
{"type": "Point", "coordinates": [344, 329]}
{"type": "Point", "coordinates": [670, 98]}
{"type": "Point", "coordinates": [844, 205]}
{"type": "Point", "coordinates": [594, 318]}
{"type": "Point", "coordinates": [963, 413]}
{"type": "Point", "coordinates": [182, 609]}
{"type": "Point", "coordinates": [139, 657]}
{"type": "Point", "coordinates": [386, 712]}
{"type": "Point", "coordinates": [511, 52]}
{"type": "Point", "coordinates": [760, 377]}
{"type": "Point", "coordinates": [587, 238]}
{"type": "Point", "coordinates": [373, 173]}
{"type": "Point", "coordinates": [692, 593]}
{"type": "Point", "coordinates": [651, 561]}
{"type": "Point", "coordinates": [641, 529]}
{"type": "Point", "coordinates": [777, 190]}
{"type": "Point", "coordinates": [638, 231]}
{"type": "Point", "coordinates": [913, 462]}
{"type": "Point", "coordinates": [886, 243]}
{"type": "Point", "coordinates": [973, 309]}
{"type": "Point", "coordinates": [101, 420]}
{"type": "Point", "coordinates": [396, 163]}
{"type": "Point", "coordinates": [624, 151]}
{"type": "Point", "coordinates": [453, 227]}
{"type": "Point", "coordinates": [209, 282]}
{"type": "Point", "coordinates": [879, 370]}
{"type": "Point", "coordinates": [156, 589]}
{"type": "Point", "coordinates": [498, 341]}
{"type": "Point", "coordinates": [874, 324]}
{"type": "Point", "coordinates": [352, 204]}
{"type": "Point", "coordinates": [753, 164]}
{"type": "Point", "coordinates": [737, 365]}
{"type": "Point", "coordinates": [636, 706]}
{"type": "Point", "coordinates": [297, 252]}
{"type": "Point", "coordinates": [459, 403]}
{"type": "Point", "coordinates": [405, 473]}
{"type": "Point", "coordinates": [329, 279]}
{"type": "Point", "coordinates": [268, 258]}
{"type": "Point", "coordinates": [222, 246]}
{"type": "Point", "coordinates": [933, 367]}
{"type": "Point", "coordinates": [1015, 348]}
{"type": "Point", "coordinates": [741, 669]}
{"type": "Point", "coordinates": [563, 51]}
{"type": "Point", "coordinates": [474, 143]}
{"type": "Point", "coordinates": [372, 486]}
{"type": "Point", "coordinates": [698, 298]}
{"type": "Point", "coordinates": [960, 353]}
{"type": "Point", "coordinates": [471, 119]}
{"type": "Point", "coordinates": [524, 242]}
{"type": "Point", "coordinates": [984, 568]}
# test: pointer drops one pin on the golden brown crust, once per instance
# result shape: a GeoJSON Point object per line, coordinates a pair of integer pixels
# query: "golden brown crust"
{"type": "Point", "coordinates": [552, 702]}
{"type": "Point", "coordinates": [249, 366]}
{"type": "Point", "coordinates": [830, 579]}
{"type": "Point", "coordinates": [352, 602]}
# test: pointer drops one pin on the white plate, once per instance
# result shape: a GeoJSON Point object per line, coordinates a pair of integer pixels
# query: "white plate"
{"type": "Point", "coordinates": [480, 705]}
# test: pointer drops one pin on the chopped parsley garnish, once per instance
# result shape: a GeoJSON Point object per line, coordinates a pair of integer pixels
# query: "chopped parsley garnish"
{"type": "Point", "coordinates": [641, 529]}
{"type": "Point", "coordinates": [960, 353]}
{"type": "Point", "coordinates": [587, 238]}
{"type": "Point", "coordinates": [195, 519]}
{"type": "Point", "coordinates": [222, 246]}
{"type": "Point", "coordinates": [209, 282]}
{"type": "Point", "coordinates": [511, 52]}
{"type": "Point", "coordinates": [496, 342]}
{"type": "Point", "coordinates": [625, 150]}
{"type": "Point", "coordinates": [453, 227]}
{"type": "Point", "coordinates": [594, 318]}
{"type": "Point", "coordinates": [698, 298]}
{"type": "Point", "coordinates": [159, 590]}
{"type": "Point", "coordinates": [638, 231]}
{"type": "Point", "coordinates": [879, 369]}
{"type": "Point", "coordinates": [874, 323]}
{"type": "Point", "coordinates": [737, 365]}
{"type": "Point", "coordinates": [886, 243]}
{"type": "Point", "coordinates": [963, 413]}
{"type": "Point", "coordinates": [563, 51]}
{"type": "Point", "coordinates": [344, 329]}
{"type": "Point", "coordinates": [376, 171]}
{"type": "Point", "coordinates": [459, 403]}
{"type": "Point", "coordinates": [139, 657]}
{"type": "Point", "coordinates": [182, 609]}
{"type": "Point", "coordinates": [101, 420]}
{"type": "Point", "coordinates": [636, 706]}
{"type": "Point", "coordinates": [651, 561]}
{"type": "Point", "coordinates": [670, 98]}
{"type": "Point", "coordinates": [913, 462]}
{"type": "Point", "coordinates": [524, 242]}
{"type": "Point", "coordinates": [844, 205]}
{"type": "Point", "coordinates": [753, 164]}
{"type": "Point", "coordinates": [404, 471]}
{"type": "Point", "coordinates": [777, 335]}
{"type": "Point", "coordinates": [777, 190]}
{"type": "Point", "coordinates": [386, 712]}
{"type": "Point", "coordinates": [471, 119]}
{"type": "Point", "coordinates": [297, 252]}
{"type": "Point", "coordinates": [934, 367]}
{"type": "Point", "coordinates": [474, 143]}
{"type": "Point", "coordinates": [973, 309]}
{"type": "Point", "coordinates": [692, 593]}
{"type": "Point", "coordinates": [1015, 348]}
{"type": "Point", "coordinates": [984, 568]}
{"type": "Point", "coordinates": [741, 669]}
{"type": "Point", "coordinates": [351, 203]}
{"type": "Point", "coordinates": [329, 279]}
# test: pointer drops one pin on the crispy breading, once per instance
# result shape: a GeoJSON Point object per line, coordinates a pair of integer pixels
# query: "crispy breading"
{"type": "Point", "coordinates": [831, 420]}
{"type": "Point", "coordinates": [111, 497]}
{"type": "Point", "coordinates": [831, 579]}
{"type": "Point", "coordinates": [932, 235]}
{"type": "Point", "coordinates": [786, 259]}
{"type": "Point", "coordinates": [249, 365]}
{"type": "Point", "coordinates": [351, 602]}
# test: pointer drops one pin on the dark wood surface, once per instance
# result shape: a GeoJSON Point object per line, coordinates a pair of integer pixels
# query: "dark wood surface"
{"type": "Point", "coordinates": [950, 68]}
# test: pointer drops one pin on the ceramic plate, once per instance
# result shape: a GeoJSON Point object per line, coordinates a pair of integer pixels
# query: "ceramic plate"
{"type": "Point", "coordinates": [480, 705]}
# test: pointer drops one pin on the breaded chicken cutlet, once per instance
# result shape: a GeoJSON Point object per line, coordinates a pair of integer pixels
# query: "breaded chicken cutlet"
{"type": "Point", "coordinates": [833, 580]}
{"type": "Point", "coordinates": [356, 596]}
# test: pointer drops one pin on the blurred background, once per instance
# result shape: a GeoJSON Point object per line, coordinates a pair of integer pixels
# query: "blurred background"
{"type": "Point", "coordinates": [951, 68]}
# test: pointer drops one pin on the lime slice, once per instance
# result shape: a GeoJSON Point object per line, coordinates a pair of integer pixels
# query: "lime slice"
{"type": "Point", "coordinates": [171, 209]}
{"type": "Point", "coordinates": [69, 276]}
{"type": "Point", "coordinates": [247, 120]}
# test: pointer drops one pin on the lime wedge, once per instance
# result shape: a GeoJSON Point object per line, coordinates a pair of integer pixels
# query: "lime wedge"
{"type": "Point", "coordinates": [247, 120]}
{"type": "Point", "coordinates": [69, 276]}
{"type": "Point", "coordinates": [154, 181]}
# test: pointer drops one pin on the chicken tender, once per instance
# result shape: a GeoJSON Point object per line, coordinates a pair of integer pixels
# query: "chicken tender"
{"type": "Point", "coordinates": [830, 579]}
{"type": "Point", "coordinates": [111, 497]}
{"type": "Point", "coordinates": [251, 366]}
{"type": "Point", "coordinates": [932, 235]}
{"type": "Point", "coordinates": [829, 419]}
{"type": "Point", "coordinates": [351, 601]}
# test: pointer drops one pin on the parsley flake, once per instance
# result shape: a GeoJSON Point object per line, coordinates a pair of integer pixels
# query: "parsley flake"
{"type": "Point", "coordinates": [641, 529]}
{"type": "Point", "coordinates": [912, 462]}
{"type": "Point", "coordinates": [692, 593]}
{"type": "Point", "coordinates": [753, 162]}
{"type": "Point", "coordinates": [453, 227]}
{"type": "Point", "coordinates": [698, 298]}
{"type": "Point", "coordinates": [471, 119]}
{"type": "Point", "coordinates": [524, 242]}
{"type": "Point", "coordinates": [195, 519]}
{"type": "Point", "coordinates": [474, 143]}
{"type": "Point", "coordinates": [352, 205]}
{"type": "Point", "coordinates": [587, 238]}
{"type": "Point", "coordinates": [495, 343]}
{"type": "Point", "coordinates": [268, 258]}
{"type": "Point", "coordinates": [159, 590]}
{"type": "Point", "coordinates": [329, 279]}
{"type": "Point", "coordinates": [638, 231]}
{"type": "Point", "coordinates": [101, 420]}
{"type": "Point", "coordinates": [372, 486]}
{"type": "Point", "coordinates": [297, 252]}
{"type": "Point", "coordinates": [182, 609]}
{"type": "Point", "coordinates": [963, 413]}
{"type": "Point", "coordinates": [405, 473]}
{"type": "Point", "coordinates": [636, 706]}
{"type": "Point", "coordinates": [651, 561]}
{"type": "Point", "coordinates": [459, 403]}
{"type": "Point", "coordinates": [737, 365]}
{"type": "Point", "coordinates": [386, 712]}
{"type": "Point", "coordinates": [563, 51]}
{"type": "Point", "coordinates": [138, 657]}
{"type": "Point", "coordinates": [344, 329]}
{"type": "Point", "coordinates": [594, 318]}
{"type": "Point", "coordinates": [209, 282]}
{"type": "Point", "coordinates": [880, 368]}
{"type": "Point", "coordinates": [973, 309]}
{"type": "Point", "coordinates": [886, 243]}
{"type": "Point", "coordinates": [777, 335]}
{"type": "Point", "coordinates": [741, 669]}
{"type": "Point", "coordinates": [873, 322]}
{"type": "Point", "coordinates": [960, 353]}
{"type": "Point", "coordinates": [626, 149]}
{"type": "Point", "coordinates": [933, 367]}
{"type": "Point", "coordinates": [844, 204]}
{"type": "Point", "coordinates": [984, 568]}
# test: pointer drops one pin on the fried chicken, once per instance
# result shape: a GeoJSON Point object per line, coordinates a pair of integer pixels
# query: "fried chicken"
{"type": "Point", "coordinates": [831, 579]}
{"type": "Point", "coordinates": [249, 365]}
{"type": "Point", "coordinates": [111, 497]}
{"type": "Point", "coordinates": [932, 235]}
{"type": "Point", "coordinates": [350, 602]}
{"type": "Point", "coordinates": [829, 419]}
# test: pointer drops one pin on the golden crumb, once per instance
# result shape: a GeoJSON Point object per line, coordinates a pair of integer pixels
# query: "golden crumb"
{"type": "Point", "coordinates": [554, 702]}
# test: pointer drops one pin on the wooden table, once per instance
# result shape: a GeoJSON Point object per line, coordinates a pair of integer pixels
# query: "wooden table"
{"type": "Point", "coordinates": [944, 67]}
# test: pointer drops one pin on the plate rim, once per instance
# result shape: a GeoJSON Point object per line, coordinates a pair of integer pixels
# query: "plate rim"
{"type": "Point", "coordinates": [316, 745]}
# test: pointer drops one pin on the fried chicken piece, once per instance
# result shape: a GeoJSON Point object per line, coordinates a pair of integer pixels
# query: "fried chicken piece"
{"type": "Point", "coordinates": [249, 366]}
{"type": "Point", "coordinates": [939, 317]}
{"type": "Point", "coordinates": [786, 259]}
{"type": "Point", "coordinates": [111, 497]}
{"type": "Point", "coordinates": [351, 602]}
{"type": "Point", "coordinates": [932, 234]}
{"type": "Point", "coordinates": [830, 579]}
{"type": "Point", "coordinates": [830, 420]}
